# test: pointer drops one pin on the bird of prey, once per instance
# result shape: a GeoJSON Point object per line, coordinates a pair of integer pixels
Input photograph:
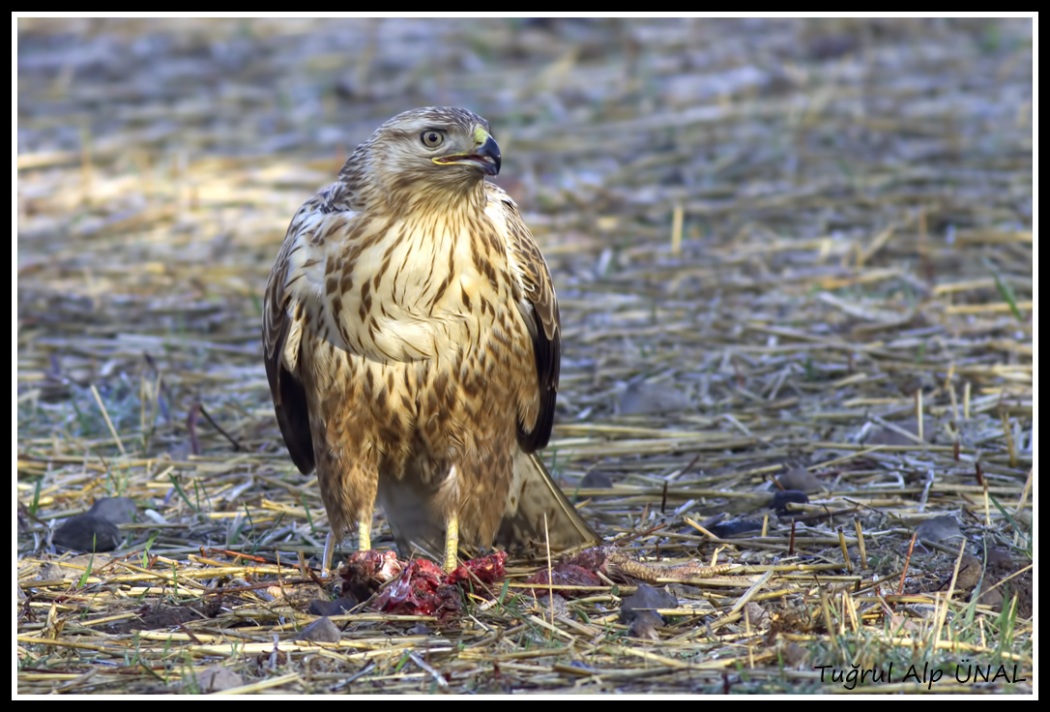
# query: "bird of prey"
{"type": "Point", "coordinates": [412, 346]}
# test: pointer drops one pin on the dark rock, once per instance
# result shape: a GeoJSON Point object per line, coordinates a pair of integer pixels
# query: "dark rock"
{"type": "Point", "coordinates": [735, 527]}
{"type": "Point", "coordinates": [338, 607]}
{"type": "Point", "coordinates": [781, 500]}
{"type": "Point", "coordinates": [597, 480]}
{"type": "Point", "coordinates": [117, 510]}
{"type": "Point", "coordinates": [86, 532]}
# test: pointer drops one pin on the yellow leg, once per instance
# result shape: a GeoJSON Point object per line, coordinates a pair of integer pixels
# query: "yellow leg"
{"type": "Point", "coordinates": [451, 542]}
{"type": "Point", "coordinates": [364, 543]}
{"type": "Point", "coordinates": [364, 535]}
{"type": "Point", "coordinates": [329, 549]}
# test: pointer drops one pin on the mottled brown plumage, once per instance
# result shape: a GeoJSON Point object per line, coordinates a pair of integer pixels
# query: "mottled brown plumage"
{"type": "Point", "coordinates": [412, 346]}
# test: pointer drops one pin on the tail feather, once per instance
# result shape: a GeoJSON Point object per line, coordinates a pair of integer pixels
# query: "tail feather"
{"type": "Point", "coordinates": [537, 511]}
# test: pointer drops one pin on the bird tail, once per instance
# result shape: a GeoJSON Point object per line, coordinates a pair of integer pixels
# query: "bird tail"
{"type": "Point", "coordinates": [538, 512]}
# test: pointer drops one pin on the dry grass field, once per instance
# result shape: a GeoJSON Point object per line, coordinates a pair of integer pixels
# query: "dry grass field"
{"type": "Point", "coordinates": [795, 265]}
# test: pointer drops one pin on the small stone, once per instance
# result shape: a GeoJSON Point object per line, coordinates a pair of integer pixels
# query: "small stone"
{"type": "Point", "coordinates": [755, 615]}
{"type": "Point", "coordinates": [645, 601]}
{"type": "Point", "coordinates": [939, 529]}
{"type": "Point", "coordinates": [645, 624]}
{"type": "Point", "coordinates": [322, 630]}
{"type": "Point", "coordinates": [801, 479]}
{"type": "Point", "coordinates": [794, 655]}
{"type": "Point", "coordinates": [646, 398]}
{"type": "Point", "coordinates": [217, 677]}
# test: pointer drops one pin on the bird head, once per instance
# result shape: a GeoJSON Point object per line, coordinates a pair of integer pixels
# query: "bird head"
{"type": "Point", "coordinates": [437, 147]}
{"type": "Point", "coordinates": [479, 150]}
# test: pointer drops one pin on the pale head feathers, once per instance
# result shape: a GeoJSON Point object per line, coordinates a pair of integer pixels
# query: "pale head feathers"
{"type": "Point", "coordinates": [396, 165]}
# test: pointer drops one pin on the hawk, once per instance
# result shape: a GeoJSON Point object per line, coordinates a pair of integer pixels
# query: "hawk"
{"type": "Point", "coordinates": [412, 346]}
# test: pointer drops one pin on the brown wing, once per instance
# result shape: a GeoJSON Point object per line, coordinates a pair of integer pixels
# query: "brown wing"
{"type": "Point", "coordinates": [539, 310]}
{"type": "Point", "coordinates": [282, 334]}
{"type": "Point", "coordinates": [537, 513]}
{"type": "Point", "coordinates": [289, 396]}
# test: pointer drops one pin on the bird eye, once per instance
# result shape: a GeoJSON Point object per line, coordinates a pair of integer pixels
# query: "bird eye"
{"type": "Point", "coordinates": [432, 138]}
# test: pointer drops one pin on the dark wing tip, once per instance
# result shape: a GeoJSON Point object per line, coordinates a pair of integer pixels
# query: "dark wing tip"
{"type": "Point", "coordinates": [289, 399]}
{"type": "Point", "coordinates": [548, 367]}
{"type": "Point", "coordinates": [294, 419]}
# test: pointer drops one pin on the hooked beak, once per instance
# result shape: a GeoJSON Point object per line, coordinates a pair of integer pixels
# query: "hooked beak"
{"type": "Point", "coordinates": [485, 155]}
